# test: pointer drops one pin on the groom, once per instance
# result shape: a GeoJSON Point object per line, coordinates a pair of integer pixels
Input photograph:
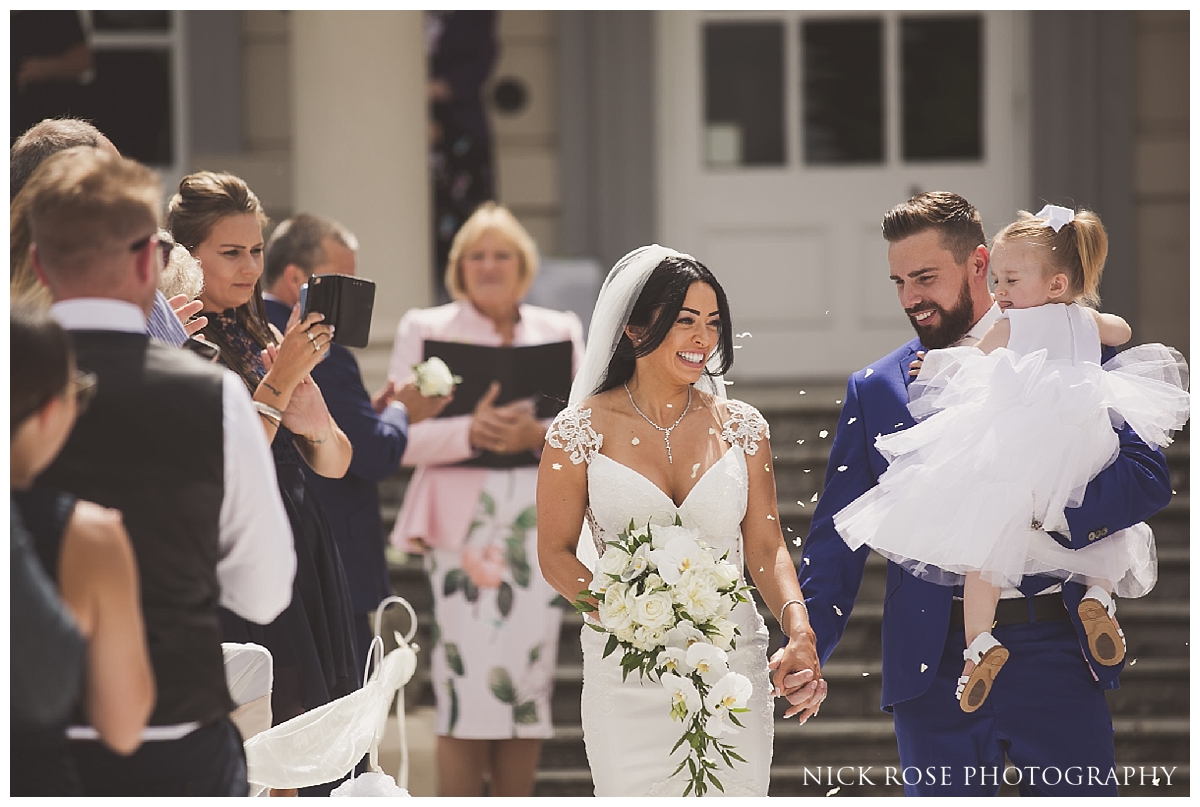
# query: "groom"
{"type": "Point", "coordinates": [1047, 709]}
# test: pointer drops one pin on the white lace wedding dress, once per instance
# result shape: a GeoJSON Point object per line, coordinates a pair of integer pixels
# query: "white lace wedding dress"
{"type": "Point", "coordinates": [627, 727]}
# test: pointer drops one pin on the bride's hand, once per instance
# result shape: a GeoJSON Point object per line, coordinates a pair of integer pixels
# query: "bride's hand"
{"type": "Point", "coordinates": [797, 675]}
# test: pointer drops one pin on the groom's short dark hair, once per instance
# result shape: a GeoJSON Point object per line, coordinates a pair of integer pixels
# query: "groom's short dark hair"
{"type": "Point", "coordinates": [952, 216]}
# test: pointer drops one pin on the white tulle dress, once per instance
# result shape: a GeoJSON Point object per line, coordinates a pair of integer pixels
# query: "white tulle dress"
{"type": "Point", "coordinates": [627, 727]}
{"type": "Point", "coordinates": [1013, 437]}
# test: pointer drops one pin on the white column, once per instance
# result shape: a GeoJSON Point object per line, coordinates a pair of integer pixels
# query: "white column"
{"type": "Point", "coordinates": [360, 152]}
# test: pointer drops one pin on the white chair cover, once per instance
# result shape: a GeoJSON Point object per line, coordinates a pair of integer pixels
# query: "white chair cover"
{"type": "Point", "coordinates": [325, 743]}
{"type": "Point", "coordinates": [248, 674]}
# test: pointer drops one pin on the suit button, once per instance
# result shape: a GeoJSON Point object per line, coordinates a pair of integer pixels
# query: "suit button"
{"type": "Point", "coordinates": [1093, 535]}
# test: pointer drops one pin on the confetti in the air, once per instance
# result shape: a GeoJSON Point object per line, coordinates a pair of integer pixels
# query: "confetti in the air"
{"type": "Point", "coordinates": [865, 675]}
{"type": "Point", "coordinates": [695, 468]}
{"type": "Point", "coordinates": [770, 518]}
{"type": "Point", "coordinates": [799, 502]}
{"type": "Point", "coordinates": [868, 372]}
{"type": "Point", "coordinates": [924, 666]}
{"type": "Point", "coordinates": [789, 529]}
{"type": "Point", "coordinates": [851, 420]}
{"type": "Point", "coordinates": [823, 433]}
{"type": "Point", "coordinates": [745, 334]}
{"type": "Point", "coordinates": [802, 392]}
{"type": "Point", "coordinates": [808, 470]}
{"type": "Point", "coordinates": [838, 401]}
{"type": "Point", "coordinates": [796, 541]}
{"type": "Point", "coordinates": [557, 466]}
{"type": "Point", "coordinates": [1131, 663]}
{"type": "Point", "coordinates": [712, 431]}
{"type": "Point", "coordinates": [767, 468]}
{"type": "Point", "coordinates": [635, 441]}
{"type": "Point", "coordinates": [842, 468]}
{"type": "Point", "coordinates": [799, 442]}
{"type": "Point", "coordinates": [806, 560]}
{"type": "Point", "coordinates": [837, 610]}
{"type": "Point", "coordinates": [836, 789]}
{"type": "Point", "coordinates": [814, 498]}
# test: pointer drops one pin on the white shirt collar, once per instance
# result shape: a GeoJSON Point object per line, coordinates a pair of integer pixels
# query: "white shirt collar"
{"type": "Point", "coordinates": [99, 314]}
{"type": "Point", "coordinates": [981, 327]}
{"type": "Point", "coordinates": [269, 296]}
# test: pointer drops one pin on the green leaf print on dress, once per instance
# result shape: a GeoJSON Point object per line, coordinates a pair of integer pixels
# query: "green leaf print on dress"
{"type": "Point", "coordinates": [525, 713]}
{"type": "Point", "coordinates": [454, 658]}
{"type": "Point", "coordinates": [501, 685]}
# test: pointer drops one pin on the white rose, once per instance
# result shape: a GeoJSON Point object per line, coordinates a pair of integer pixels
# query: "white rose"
{"type": "Point", "coordinates": [616, 609]}
{"type": "Point", "coordinates": [697, 593]}
{"type": "Point", "coordinates": [653, 582]}
{"type": "Point", "coordinates": [726, 632]}
{"type": "Point", "coordinates": [434, 378]}
{"type": "Point", "coordinates": [711, 662]}
{"type": "Point", "coordinates": [726, 574]}
{"type": "Point", "coordinates": [648, 638]}
{"type": "Point", "coordinates": [654, 610]}
{"type": "Point", "coordinates": [613, 561]}
{"type": "Point", "coordinates": [661, 536]}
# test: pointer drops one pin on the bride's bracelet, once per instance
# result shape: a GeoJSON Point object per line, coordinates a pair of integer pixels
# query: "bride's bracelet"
{"type": "Point", "coordinates": [784, 609]}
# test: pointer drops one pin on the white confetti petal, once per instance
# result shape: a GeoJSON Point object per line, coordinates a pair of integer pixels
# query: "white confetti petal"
{"type": "Point", "coordinates": [851, 420]}
{"type": "Point", "coordinates": [814, 498]}
{"type": "Point", "coordinates": [836, 789]}
{"type": "Point", "coordinates": [799, 442]}
{"type": "Point", "coordinates": [865, 675]}
{"type": "Point", "coordinates": [808, 470]}
{"type": "Point", "coordinates": [837, 610]}
{"type": "Point", "coordinates": [867, 374]}
{"type": "Point", "coordinates": [767, 468]}
{"type": "Point", "coordinates": [580, 579]}
{"type": "Point", "coordinates": [737, 347]}
{"type": "Point", "coordinates": [796, 542]}
{"type": "Point", "coordinates": [838, 401]}
{"type": "Point", "coordinates": [924, 667]}
{"type": "Point", "coordinates": [635, 441]}
{"type": "Point", "coordinates": [807, 561]}
{"type": "Point", "coordinates": [770, 518]}
{"type": "Point", "coordinates": [745, 334]}
{"type": "Point", "coordinates": [695, 468]}
{"type": "Point", "coordinates": [898, 425]}
{"type": "Point", "coordinates": [557, 466]}
{"type": "Point", "coordinates": [802, 392]}
{"type": "Point", "coordinates": [826, 312]}
{"type": "Point", "coordinates": [842, 468]}
{"type": "Point", "coordinates": [789, 529]}
{"type": "Point", "coordinates": [712, 431]}
{"type": "Point", "coordinates": [823, 433]}
{"type": "Point", "coordinates": [760, 568]}
{"type": "Point", "coordinates": [1131, 663]}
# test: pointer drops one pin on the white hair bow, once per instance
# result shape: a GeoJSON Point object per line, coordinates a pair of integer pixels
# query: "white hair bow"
{"type": "Point", "coordinates": [1056, 217]}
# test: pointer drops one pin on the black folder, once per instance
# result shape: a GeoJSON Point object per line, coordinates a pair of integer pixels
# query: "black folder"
{"type": "Point", "coordinates": [539, 372]}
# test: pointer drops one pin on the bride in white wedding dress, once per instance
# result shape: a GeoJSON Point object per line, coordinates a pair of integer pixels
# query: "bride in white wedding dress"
{"type": "Point", "coordinates": [649, 436]}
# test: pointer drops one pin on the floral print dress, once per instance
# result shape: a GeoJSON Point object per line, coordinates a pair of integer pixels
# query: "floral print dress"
{"type": "Point", "coordinates": [497, 620]}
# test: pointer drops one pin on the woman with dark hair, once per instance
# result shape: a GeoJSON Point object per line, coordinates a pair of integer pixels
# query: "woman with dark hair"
{"type": "Point", "coordinates": [220, 221]}
{"type": "Point", "coordinates": [650, 438]}
{"type": "Point", "coordinates": [78, 651]}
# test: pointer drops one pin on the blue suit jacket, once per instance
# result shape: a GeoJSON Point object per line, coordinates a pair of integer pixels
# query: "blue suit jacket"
{"type": "Point", "coordinates": [351, 504]}
{"type": "Point", "coordinates": [916, 613]}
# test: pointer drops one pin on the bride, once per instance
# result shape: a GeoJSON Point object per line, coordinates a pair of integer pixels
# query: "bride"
{"type": "Point", "coordinates": [649, 435]}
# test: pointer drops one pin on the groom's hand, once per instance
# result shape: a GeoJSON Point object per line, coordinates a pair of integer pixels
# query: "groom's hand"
{"type": "Point", "coordinates": [803, 687]}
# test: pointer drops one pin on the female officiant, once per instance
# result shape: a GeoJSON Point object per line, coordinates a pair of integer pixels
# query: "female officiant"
{"type": "Point", "coordinates": [470, 511]}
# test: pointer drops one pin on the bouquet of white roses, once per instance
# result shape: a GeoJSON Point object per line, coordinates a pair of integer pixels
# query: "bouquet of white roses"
{"type": "Point", "coordinates": [434, 379]}
{"type": "Point", "coordinates": [664, 600]}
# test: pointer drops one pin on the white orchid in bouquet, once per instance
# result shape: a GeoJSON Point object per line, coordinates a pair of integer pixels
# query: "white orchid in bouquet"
{"type": "Point", "coordinates": [664, 599]}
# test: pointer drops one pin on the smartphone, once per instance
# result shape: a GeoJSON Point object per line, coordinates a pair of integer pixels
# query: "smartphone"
{"type": "Point", "coordinates": [304, 301]}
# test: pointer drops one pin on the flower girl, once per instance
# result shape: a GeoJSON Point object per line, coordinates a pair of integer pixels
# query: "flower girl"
{"type": "Point", "coordinates": [1011, 431]}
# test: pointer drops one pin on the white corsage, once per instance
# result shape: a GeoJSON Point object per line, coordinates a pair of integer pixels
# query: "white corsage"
{"type": "Point", "coordinates": [664, 600]}
{"type": "Point", "coordinates": [1056, 217]}
{"type": "Point", "coordinates": [434, 378]}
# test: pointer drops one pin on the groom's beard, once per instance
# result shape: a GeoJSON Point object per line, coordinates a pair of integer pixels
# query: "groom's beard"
{"type": "Point", "coordinates": [952, 325]}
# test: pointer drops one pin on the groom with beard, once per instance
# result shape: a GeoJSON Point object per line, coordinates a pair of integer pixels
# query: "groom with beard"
{"type": "Point", "coordinates": [1046, 710]}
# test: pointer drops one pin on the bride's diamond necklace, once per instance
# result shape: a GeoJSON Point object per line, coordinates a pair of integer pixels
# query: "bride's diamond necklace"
{"type": "Point", "coordinates": [667, 431]}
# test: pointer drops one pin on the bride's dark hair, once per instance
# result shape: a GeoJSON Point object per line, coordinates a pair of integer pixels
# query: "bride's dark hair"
{"type": "Point", "coordinates": [655, 312]}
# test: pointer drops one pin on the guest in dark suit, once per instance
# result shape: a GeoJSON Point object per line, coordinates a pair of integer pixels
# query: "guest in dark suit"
{"type": "Point", "coordinates": [1048, 709]}
{"type": "Point", "coordinates": [377, 425]}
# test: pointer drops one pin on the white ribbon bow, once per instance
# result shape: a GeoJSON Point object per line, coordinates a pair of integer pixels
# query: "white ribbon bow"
{"type": "Point", "coordinates": [1056, 217]}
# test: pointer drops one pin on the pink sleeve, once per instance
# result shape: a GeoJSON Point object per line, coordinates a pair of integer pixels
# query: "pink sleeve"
{"type": "Point", "coordinates": [436, 441]}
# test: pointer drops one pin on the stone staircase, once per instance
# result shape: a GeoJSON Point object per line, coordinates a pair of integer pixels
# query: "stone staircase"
{"type": "Point", "coordinates": [1150, 711]}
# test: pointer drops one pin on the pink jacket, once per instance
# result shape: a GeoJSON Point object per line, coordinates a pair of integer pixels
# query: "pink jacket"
{"type": "Point", "coordinates": [440, 501]}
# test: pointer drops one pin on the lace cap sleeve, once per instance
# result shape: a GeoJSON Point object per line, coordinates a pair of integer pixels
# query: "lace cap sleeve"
{"type": "Point", "coordinates": [572, 432]}
{"type": "Point", "coordinates": [745, 426]}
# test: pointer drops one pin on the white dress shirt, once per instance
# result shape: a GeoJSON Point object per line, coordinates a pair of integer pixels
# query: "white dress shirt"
{"type": "Point", "coordinates": [258, 558]}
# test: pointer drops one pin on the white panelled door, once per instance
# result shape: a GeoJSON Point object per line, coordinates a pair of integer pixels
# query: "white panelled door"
{"type": "Point", "coordinates": [783, 137]}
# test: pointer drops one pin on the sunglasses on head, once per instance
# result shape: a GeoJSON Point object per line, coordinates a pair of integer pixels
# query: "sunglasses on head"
{"type": "Point", "coordinates": [165, 244]}
{"type": "Point", "coordinates": [82, 386]}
